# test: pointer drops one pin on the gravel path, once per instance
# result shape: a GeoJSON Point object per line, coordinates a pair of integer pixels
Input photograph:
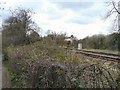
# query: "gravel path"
{"type": "Point", "coordinates": [5, 78]}
{"type": "Point", "coordinates": [0, 75]}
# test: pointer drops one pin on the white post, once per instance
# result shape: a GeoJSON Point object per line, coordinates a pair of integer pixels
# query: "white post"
{"type": "Point", "coordinates": [79, 45]}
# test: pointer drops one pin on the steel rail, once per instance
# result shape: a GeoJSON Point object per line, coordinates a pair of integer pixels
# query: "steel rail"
{"type": "Point", "coordinates": [102, 55]}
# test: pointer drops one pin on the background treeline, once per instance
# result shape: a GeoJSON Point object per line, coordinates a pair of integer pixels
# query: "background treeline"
{"type": "Point", "coordinates": [110, 42]}
{"type": "Point", "coordinates": [20, 29]}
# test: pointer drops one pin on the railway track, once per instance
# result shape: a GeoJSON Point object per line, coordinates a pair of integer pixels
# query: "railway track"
{"type": "Point", "coordinates": [101, 55]}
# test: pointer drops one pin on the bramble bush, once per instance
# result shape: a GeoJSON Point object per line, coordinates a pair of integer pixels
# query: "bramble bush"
{"type": "Point", "coordinates": [43, 66]}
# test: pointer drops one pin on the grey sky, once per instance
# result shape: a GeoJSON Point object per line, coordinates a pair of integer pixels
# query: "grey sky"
{"type": "Point", "coordinates": [75, 5]}
{"type": "Point", "coordinates": [78, 18]}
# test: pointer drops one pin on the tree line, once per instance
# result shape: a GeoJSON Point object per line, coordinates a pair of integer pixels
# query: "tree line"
{"type": "Point", "coordinates": [20, 29]}
{"type": "Point", "coordinates": [110, 42]}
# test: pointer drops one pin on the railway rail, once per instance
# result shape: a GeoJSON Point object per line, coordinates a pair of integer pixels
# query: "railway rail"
{"type": "Point", "coordinates": [102, 55]}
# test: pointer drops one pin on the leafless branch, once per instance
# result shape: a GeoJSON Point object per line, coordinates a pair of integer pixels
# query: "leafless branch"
{"type": "Point", "coordinates": [115, 7]}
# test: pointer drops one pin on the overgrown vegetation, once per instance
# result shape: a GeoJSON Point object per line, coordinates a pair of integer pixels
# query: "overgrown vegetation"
{"type": "Point", "coordinates": [32, 64]}
{"type": "Point", "coordinates": [49, 61]}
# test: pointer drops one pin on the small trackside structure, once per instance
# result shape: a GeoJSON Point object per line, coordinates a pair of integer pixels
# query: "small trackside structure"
{"type": "Point", "coordinates": [79, 46]}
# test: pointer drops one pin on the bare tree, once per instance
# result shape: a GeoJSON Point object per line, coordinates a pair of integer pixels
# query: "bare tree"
{"type": "Point", "coordinates": [115, 9]}
{"type": "Point", "coordinates": [17, 26]}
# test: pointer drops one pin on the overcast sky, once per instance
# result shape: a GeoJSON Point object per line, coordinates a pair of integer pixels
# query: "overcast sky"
{"type": "Point", "coordinates": [78, 18]}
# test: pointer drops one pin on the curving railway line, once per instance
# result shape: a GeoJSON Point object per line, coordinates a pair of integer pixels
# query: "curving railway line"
{"type": "Point", "coordinates": [101, 55]}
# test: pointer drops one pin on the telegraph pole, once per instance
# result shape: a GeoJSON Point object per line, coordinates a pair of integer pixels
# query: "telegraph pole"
{"type": "Point", "coordinates": [119, 32]}
{"type": "Point", "coordinates": [1, 20]}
